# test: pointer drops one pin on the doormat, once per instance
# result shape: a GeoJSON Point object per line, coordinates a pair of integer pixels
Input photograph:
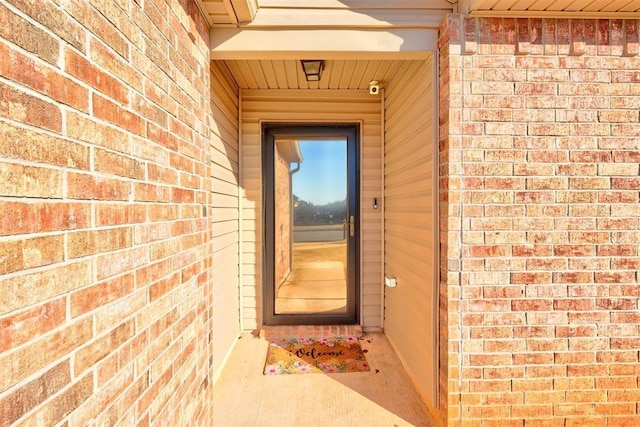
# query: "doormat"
{"type": "Point", "coordinates": [315, 355]}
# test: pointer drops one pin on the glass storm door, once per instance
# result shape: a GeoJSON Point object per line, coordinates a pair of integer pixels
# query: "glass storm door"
{"type": "Point", "coordinates": [311, 224]}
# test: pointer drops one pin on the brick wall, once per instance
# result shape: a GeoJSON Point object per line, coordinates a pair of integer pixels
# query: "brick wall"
{"type": "Point", "coordinates": [104, 268]}
{"type": "Point", "coordinates": [540, 157]}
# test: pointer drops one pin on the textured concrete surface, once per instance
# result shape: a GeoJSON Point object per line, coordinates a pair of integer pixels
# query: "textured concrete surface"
{"type": "Point", "coordinates": [243, 396]}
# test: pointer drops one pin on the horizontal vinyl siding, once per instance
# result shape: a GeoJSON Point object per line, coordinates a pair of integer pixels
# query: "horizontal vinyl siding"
{"type": "Point", "coordinates": [224, 211]}
{"type": "Point", "coordinates": [409, 222]}
{"type": "Point", "coordinates": [304, 106]}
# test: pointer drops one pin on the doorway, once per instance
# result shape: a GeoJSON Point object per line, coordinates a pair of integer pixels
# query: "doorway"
{"type": "Point", "coordinates": [311, 217]}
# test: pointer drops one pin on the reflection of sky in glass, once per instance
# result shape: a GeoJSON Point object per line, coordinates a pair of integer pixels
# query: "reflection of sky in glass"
{"type": "Point", "coordinates": [322, 177]}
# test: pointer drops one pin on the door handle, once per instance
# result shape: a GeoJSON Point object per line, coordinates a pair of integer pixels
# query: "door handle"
{"type": "Point", "coordinates": [352, 226]}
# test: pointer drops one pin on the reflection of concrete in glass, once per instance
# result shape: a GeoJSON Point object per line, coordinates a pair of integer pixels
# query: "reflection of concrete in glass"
{"type": "Point", "coordinates": [311, 246]}
{"type": "Point", "coordinates": [319, 233]}
{"type": "Point", "coordinates": [317, 283]}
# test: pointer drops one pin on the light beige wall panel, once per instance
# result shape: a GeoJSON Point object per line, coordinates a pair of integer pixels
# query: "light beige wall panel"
{"type": "Point", "coordinates": [312, 106]}
{"type": "Point", "coordinates": [410, 308]}
{"type": "Point", "coordinates": [224, 211]}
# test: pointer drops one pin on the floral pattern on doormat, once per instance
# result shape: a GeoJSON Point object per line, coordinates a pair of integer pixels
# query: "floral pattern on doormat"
{"type": "Point", "coordinates": [315, 355]}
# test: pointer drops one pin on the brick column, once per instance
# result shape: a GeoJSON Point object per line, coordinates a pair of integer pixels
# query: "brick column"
{"type": "Point", "coordinates": [540, 219]}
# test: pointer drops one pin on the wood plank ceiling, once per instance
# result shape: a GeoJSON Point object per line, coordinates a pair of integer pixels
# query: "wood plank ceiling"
{"type": "Point", "coordinates": [288, 74]}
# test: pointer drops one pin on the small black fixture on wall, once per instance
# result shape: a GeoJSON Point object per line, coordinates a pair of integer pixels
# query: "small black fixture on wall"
{"type": "Point", "coordinates": [312, 69]}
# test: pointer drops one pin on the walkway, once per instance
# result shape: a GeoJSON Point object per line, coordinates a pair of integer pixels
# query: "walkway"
{"type": "Point", "coordinates": [243, 396]}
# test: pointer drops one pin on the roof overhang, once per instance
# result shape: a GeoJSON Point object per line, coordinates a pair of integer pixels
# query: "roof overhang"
{"type": "Point", "coordinates": [593, 9]}
{"type": "Point", "coordinates": [245, 10]}
{"type": "Point", "coordinates": [289, 149]}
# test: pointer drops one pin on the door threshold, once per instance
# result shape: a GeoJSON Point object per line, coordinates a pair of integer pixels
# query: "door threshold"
{"type": "Point", "coordinates": [310, 331]}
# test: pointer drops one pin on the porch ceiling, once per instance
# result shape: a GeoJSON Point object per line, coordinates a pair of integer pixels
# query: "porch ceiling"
{"type": "Point", "coordinates": [288, 74]}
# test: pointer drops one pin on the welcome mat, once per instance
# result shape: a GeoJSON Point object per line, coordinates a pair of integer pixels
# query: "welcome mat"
{"type": "Point", "coordinates": [315, 355]}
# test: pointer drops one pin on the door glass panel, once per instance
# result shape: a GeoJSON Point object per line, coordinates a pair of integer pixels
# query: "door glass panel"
{"type": "Point", "coordinates": [311, 226]}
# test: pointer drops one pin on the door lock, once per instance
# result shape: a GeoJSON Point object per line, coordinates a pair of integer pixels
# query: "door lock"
{"type": "Point", "coordinates": [352, 226]}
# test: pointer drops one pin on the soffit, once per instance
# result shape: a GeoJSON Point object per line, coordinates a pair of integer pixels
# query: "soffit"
{"type": "Point", "coordinates": [621, 8]}
{"type": "Point", "coordinates": [288, 74]}
{"type": "Point", "coordinates": [395, 13]}
{"type": "Point", "coordinates": [229, 12]}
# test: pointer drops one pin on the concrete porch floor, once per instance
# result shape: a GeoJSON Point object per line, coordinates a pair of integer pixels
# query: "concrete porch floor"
{"type": "Point", "coordinates": [243, 396]}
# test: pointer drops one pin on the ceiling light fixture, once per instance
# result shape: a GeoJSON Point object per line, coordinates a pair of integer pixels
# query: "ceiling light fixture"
{"type": "Point", "coordinates": [312, 69]}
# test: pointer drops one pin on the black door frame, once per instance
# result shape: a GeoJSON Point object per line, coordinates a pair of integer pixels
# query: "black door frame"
{"type": "Point", "coordinates": [351, 131]}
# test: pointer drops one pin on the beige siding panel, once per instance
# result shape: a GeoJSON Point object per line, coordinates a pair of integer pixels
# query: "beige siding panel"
{"type": "Point", "coordinates": [300, 106]}
{"type": "Point", "coordinates": [411, 307]}
{"type": "Point", "coordinates": [224, 212]}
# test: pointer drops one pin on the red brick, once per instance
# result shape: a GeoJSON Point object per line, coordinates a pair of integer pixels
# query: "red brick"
{"type": "Point", "coordinates": [537, 358]}
{"type": "Point", "coordinates": [589, 237]}
{"type": "Point", "coordinates": [116, 164]}
{"type": "Point", "coordinates": [574, 304]}
{"type": "Point", "coordinates": [28, 36]}
{"type": "Point", "coordinates": [590, 183]}
{"type": "Point", "coordinates": [86, 186]}
{"type": "Point", "coordinates": [159, 173]}
{"type": "Point", "coordinates": [96, 350]}
{"type": "Point", "coordinates": [119, 311]}
{"type": "Point", "coordinates": [149, 110]}
{"type": "Point", "coordinates": [22, 400]}
{"type": "Point", "coordinates": [118, 214]}
{"type": "Point", "coordinates": [112, 264]}
{"type": "Point", "coordinates": [180, 195]}
{"type": "Point", "coordinates": [27, 360]}
{"type": "Point", "coordinates": [114, 62]}
{"type": "Point", "coordinates": [23, 290]}
{"type": "Point", "coordinates": [618, 224]}
{"type": "Point", "coordinates": [29, 181]}
{"type": "Point", "coordinates": [546, 264]}
{"type": "Point", "coordinates": [125, 402]}
{"type": "Point", "coordinates": [531, 277]}
{"type": "Point", "coordinates": [28, 145]}
{"type": "Point", "coordinates": [164, 286]}
{"type": "Point", "coordinates": [577, 169]}
{"type": "Point", "coordinates": [79, 67]}
{"type": "Point", "coordinates": [533, 331]}
{"type": "Point", "coordinates": [25, 108]}
{"type": "Point", "coordinates": [164, 249]}
{"type": "Point", "coordinates": [22, 254]}
{"type": "Point", "coordinates": [86, 129]}
{"type": "Point", "coordinates": [24, 326]}
{"type": "Point", "coordinates": [42, 78]}
{"type": "Point", "coordinates": [90, 298]}
{"type": "Point", "coordinates": [576, 331]}
{"type": "Point", "coordinates": [625, 183]}
{"type": "Point", "coordinates": [161, 136]}
{"type": "Point", "coordinates": [532, 305]}
{"type": "Point", "coordinates": [55, 19]}
{"type": "Point", "coordinates": [117, 115]}
{"type": "Point", "coordinates": [627, 157]}
{"type": "Point", "coordinates": [64, 403]}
